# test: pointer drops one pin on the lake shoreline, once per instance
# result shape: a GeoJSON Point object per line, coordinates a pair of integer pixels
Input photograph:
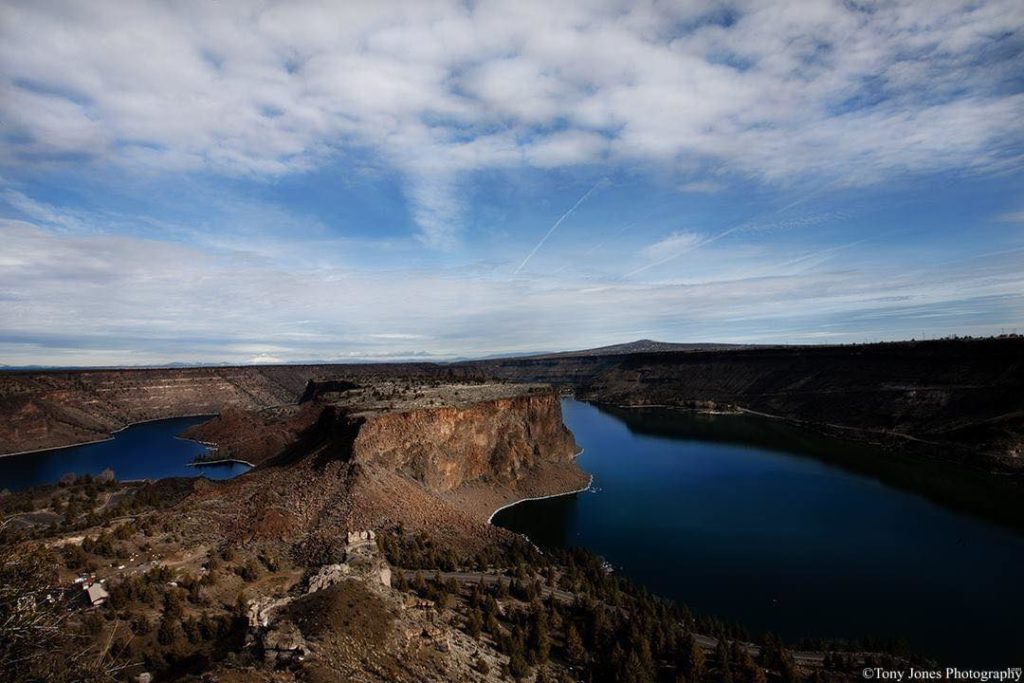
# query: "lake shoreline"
{"type": "Point", "coordinates": [110, 437]}
{"type": "Point", "coordinates": [221, 461]}
{"type": "Point", "coordinates": [150, 449]}
{"type": "Point", "coordinates": [853, 434]}
{"type": "Point", "coordinates": [710, 495]}
{"type": "Point", "coordinates": [590, 482]}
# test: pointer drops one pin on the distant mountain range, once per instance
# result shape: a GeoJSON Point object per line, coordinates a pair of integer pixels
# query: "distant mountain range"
{"type": "Point", "coordinates": [644, 346]}
{"type": "Point", "coordinates": [638, 346]}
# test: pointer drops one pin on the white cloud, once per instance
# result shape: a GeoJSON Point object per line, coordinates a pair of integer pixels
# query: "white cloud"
{"type": "Point", "coordinates": [264, 358]}
{"type": "Point", "coordinates": [39, 211]}
{"type": "Point", "coordinates": [397, 335]}
{"type": "Point", "coordinates": [671, 246]}
{"type": "Point", "coordinates": [443, 89]}
{"type": "Point", "coordinates": [93, 298]}
{"type": "Point", "coordinates": [567, 148]}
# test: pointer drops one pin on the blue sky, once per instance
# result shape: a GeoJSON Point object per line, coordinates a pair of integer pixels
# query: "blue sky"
{"type": "Point", "coordinates": [264, 182]}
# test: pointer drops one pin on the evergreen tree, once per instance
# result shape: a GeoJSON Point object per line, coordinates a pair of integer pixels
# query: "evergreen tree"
{"type": "Point", "coordinates": [543, 641]}
{"type": "Point", "coordinates": [635, 671]}
{"type": "Point", "coordinates": [693, 661]}
{"type": "Point", "coordinates": [574, 650]}
{"type": "Point", "coordinates": [724, 666]}
{"type": "Point", "coordinates": [476, 597]}
{"type": "Point", "coordinates": [746, 670]}
{"type": "Point", "coordinates": [517, 667]}
{"type": "Point", "coordinates": [474, 623]}
{"type": "Point", "coordinates": [616, 663]}
{"type": "Point", "coordinates": [788, 672]}
{"type": "Point", "coordinates": [493, 627]}
{"type": "Point", "coordinates": [757, 675]}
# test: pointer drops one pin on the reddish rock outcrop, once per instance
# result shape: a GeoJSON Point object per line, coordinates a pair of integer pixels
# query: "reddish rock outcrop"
{"type": "Point", "coordinates": [442, 469]}
{"type": "Point", "coordinates": [40, 410]}
{"type": "Point", "coordinates": [500, 440]}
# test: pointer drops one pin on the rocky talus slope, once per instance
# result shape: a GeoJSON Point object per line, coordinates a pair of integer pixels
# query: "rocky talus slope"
{"type": "Point", "coordinates": [441, 468]}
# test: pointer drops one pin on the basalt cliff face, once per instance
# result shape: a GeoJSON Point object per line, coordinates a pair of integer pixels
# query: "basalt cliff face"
{"type": "Point", "coordinates": [441, 469]}
{"type": "Point", "coordinates": [499, 440]}
{"type": "Point", "coordinates": [961, 400]}
{"type": "Point", "coordinates": [46, 410]}
{"type": "Point", "coordinates": [40, 410]}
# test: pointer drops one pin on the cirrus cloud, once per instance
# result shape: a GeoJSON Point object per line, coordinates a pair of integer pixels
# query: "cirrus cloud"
{"type": "Point", "coordinates": [441, 90]}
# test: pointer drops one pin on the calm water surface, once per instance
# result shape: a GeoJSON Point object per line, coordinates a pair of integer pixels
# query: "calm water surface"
{"type": "Point", "coordinates": [753, 520]}
{"type": "Point", "coordinates": [149, 450]}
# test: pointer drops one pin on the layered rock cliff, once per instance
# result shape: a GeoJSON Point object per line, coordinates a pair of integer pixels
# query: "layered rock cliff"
{"type": "Point", "coordinates": [41, 410]}
{"type": "Point", "coordinates": [499, 440]}
{"type": "Point", "coordinates": [447, 466]}
{"type": "Point", "coordinates": [962, 400]}
{"type": "Point", "coordinates": [46, 410]}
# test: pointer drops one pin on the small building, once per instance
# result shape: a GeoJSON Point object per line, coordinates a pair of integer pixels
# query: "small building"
{"type": "Point", "coordinates": [96, 594]}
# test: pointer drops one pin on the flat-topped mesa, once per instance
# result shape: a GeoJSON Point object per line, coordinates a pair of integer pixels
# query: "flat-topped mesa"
{"type": "Point", "coordinates": [397, 395]}
{"type": "Point", "coordinates": [497, 433]}
{"type": "Point", "coordinates": [444, 435]}
{"type": "Point", "coordinates": [428, 457]}
{"type": "Point", "coordinates": [441, 435]}
{"type": "Point", "coordinates": [50, 409]}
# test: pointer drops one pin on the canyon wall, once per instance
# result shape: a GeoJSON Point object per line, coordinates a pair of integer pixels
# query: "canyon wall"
{"type": "Point", "coordinates": [50, 409]}
{"type": "Point", "coordinates": [441, 469]}
{"type": "Point", "coordinates": [44, 410]}
{"type": "Point", "coordinates": [498, 440]}
{"type": "Point", "coordinates": [956, 399]}
{"type": "Point", "coordinates": [961, 400]}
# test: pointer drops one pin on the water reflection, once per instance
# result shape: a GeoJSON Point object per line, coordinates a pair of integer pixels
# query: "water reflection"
{"type": "Point", "coordinates": [788, 531]}
{"type": "Point", "coordinates": [992, 497]}
{"type": "Point", "coordinates": [149, 450]}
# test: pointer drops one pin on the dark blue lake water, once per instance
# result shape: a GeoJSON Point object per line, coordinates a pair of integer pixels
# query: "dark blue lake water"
{"type": "Point", "coordinates": [149, 450]}
{"type": "Point", "coordinates": [785, 531]}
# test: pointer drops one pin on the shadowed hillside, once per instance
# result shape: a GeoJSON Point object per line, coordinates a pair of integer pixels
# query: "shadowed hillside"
{"type": "Point", "coordinates": [956, 399]}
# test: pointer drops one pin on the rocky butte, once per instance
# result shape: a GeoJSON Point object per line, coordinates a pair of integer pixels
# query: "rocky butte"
{"type": "Point", "coordinates": [434, 457]}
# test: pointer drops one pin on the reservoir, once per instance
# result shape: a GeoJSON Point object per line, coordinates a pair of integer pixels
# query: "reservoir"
{"type": "Point", "coordinates": [148, 450]}
{"type": "Point", "coordinates": [755, 521]}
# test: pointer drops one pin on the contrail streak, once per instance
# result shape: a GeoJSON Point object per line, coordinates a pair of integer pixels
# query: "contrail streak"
{"type": "Point", "coordinates": [729, 231]}
{"type": "Point", "coordinates": [698, 245]}
{"type": "Point", "coordinates": [555, 227]}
